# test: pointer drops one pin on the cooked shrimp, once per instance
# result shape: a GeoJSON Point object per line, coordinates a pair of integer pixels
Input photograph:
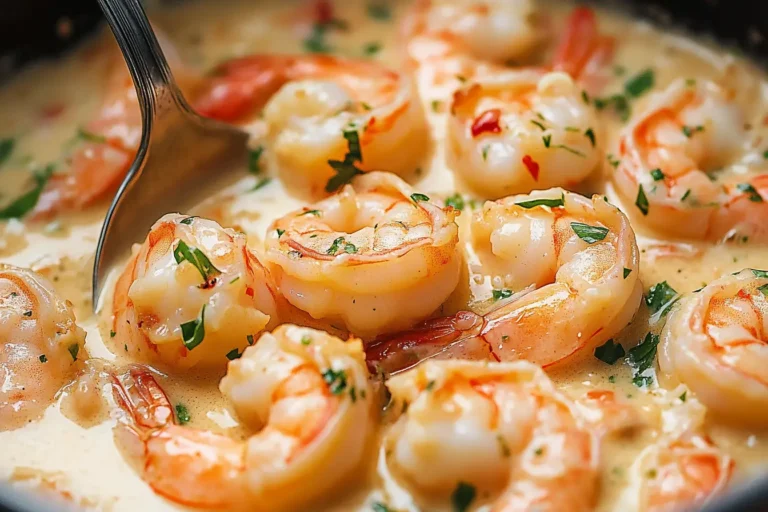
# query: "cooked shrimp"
{"type": "Point", "coordinates": [191, 293]}
{"type": "Point", "coordinates": [376, 257]}
{"type": "Point", "coordinates": [679, 161]}
{"type": "Point", "coordinates": [682, 472]}
{"type": "Point", "coordinates": [312, 104]}
{"type": "Point", "coordinates": [574, 262]}
{"type": "Point", "coordinates": [523, 130]}
{"type": "Point", "coordinates": [715, 343]}
{"type": "Point", "coordinates": [40, 345]}
{"type": "Point", "coordinates": [500, 427]}
{"type": "Point", "coordinates": [308, 395]}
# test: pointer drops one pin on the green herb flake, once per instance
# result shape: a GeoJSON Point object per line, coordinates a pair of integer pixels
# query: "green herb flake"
{"type": "Point", "coordinates": [195, 256]}
{"type": "Point", "coordinates": [463, 496]}
{"type": "Point", "coordinates": [378, 506]}
{"type": "Point", "coordinates": [89, 136]}
{"type": "Point", "coordinates": [26, 202]}
{"type": "Point", "coordinates": [263, 182]}
{"type": "Point", "coordinates": [640, 83]}
{"type": "Point", "coordinates": [254, 160]}
{"type": "Point", "coordinates": [417, 198]}
{"type": "Point", "coordinates": [336, 380]}
{"type": "Point", "coordinates": [346, 169]}
{"type": "Point", "coordinates": [590, 134]}
{"type": "Point", "coordinates": [73, 350]}
{"type": "Point", "coordinates": [609, 352]}
{"type": "Point", "coordinates": [590, 234]}
{"type": "Point", "coordinates": [371, 49]}
{"type": "Point", "coordinates": [193, 332]}
{"type": "Point", "coordinates": [660, 298]}
{"type": "Point", "coordinates": [436, 106]}
{"type": "Point", "coordinates": [759, 273]}
{"type": "Point", "coordinates": [585, 96]}
{"type": "Point", "coordinates": [236, 279]}
{"type": "Point", "coordinates": [642, 201]}
{"type": "Point", "coordinates": [552, 203]}
{"type": "Point", "coordinates": [27, 313]}
{"type": "Point", "coordinates": [306, 339]}
{"type": "Point", "coordinates": [539, 124]}
{"type": "Point", "coordinates": [233, 354]}
{"type": "Point", "coordinates": [685, 195]}
{"type": "Point", "coordinates": [752, 194]}
{"type": "Point", "coordinates": [280, 232]}
{"type": "Point", "coordinates": [641, 358]}
{"type": "Point", "coordinates": [6, 148]}
{"type": "Point", "coordinates": [547, 139]}
{"type": "Point", "coordinates": [249, 339]}
{"type": "Point", "coordinates": [763, 289]}
{"type": "Point", "coordinates": [112, 334]}
{"type": "Point", "coordinates": [379, 11]}
{"type": "Point", "coordinates": [455, 201]}
{"type": "Point", "coordinates": [657, 175]}
{"type": "Point", "coordinates": [627, 271]}
{"type": "Point", "coordinates": [43, 358]}
{"type": "Point", "coordinates": [503, 446]}
{"type": "Point", "coordinates": [182, 414]}
{"type": "Point", "coordinates": [684, 396]}
{"type": "Point", "coordinates": [501, 294]}
{"type": "Point", "coordinates": [314, 213]}
{"type": "Point", "coordinates": [430, 385]}
{"type": "Point", "coordinates": [187, 221]}
{"type": "Point", "coordinates": [613, 161]}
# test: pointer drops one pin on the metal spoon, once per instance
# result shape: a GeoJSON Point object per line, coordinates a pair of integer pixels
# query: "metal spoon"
{"type": "Point", "coordinates": [182, 156]}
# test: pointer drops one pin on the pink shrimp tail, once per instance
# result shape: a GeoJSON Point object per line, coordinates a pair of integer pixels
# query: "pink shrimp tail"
{"type": "Point", "coordinates": [583, 52]}
{"type": "Point", "coordinates": [454, 336]}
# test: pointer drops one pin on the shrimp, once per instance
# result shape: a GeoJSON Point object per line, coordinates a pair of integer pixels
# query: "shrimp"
{"type": "Point", "coordinates": [376, 257]}
{"type": "Point", "coordinates": [522, 130]}
{"type": "Point", "coordinates": [574, 262]}
{"type": "Point", "coordinates": [715, 343]}
{"type": "Point", "coordinates": [502, 428]}
{"type": "Point", "coordinates": [40, 345]}
{"type": "Point", "coordinates": [191, 293]}
{"type": "Point", "coordinates": [313, 105]}
{"type": "Point", "coordinates": [679, 163]}
{"type": "Point", "coordinates": [308, 395]}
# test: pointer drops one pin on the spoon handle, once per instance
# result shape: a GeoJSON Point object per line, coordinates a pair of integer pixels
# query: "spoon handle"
{"type": "Point", "coordinates": [146, 62]}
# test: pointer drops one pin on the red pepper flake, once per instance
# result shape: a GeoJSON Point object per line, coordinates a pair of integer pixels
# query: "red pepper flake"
{"type": "Point", "coordinates": [323, 12]}
{"type": "Point", "coordinates": [249, 292]}
{"type": "Point", "coordinates": [488, 121]}
{"type": "Point", "coordinates": [532, 166]}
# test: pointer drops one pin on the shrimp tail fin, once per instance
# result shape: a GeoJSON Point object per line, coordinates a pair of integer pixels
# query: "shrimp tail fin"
{"type": "Point", "coordinates": [143, 403]}
{"type": "Point", "coordinates": [446, 337]}
{"type": "Point", "coordinates": [583, 52]}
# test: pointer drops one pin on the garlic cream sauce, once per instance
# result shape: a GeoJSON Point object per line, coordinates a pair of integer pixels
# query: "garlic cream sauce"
{"type": "Point", "coordinates": [82, 462]}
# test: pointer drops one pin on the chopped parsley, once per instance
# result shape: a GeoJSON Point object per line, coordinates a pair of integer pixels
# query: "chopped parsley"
{"type": "Point", "coordinates": [640, 83]}
{"type": "Point", "coordinates": [684, 396]}
{"type": "Point", "coordinates": [182, 414]}
{"type": "Point", "coordinates": [660, 298]}
{"type": "Point", "coordinates": [627, 271]}
{"type": "Point", "coordinates": [315, 213]}
{"type": "Point", "coordinates": [641, 358]}
{"type": "Point", "coordinates": [371, 49]}
{"type": "Point", "coordinates": [501, 294]}
{"type": "Point", "coordinates": [346, 169]}
{"type": "Point", "coordinates": [249, 339]}
{"type": "Point", "coordinates": [336, 380]}
{"type": "Point", "coordinates": [279, 232]}
{"type": "Point", "coordinates": [27, 313]}
{"type": "Point", "coordinates": [688, 131]}
{"type": "Point", "coordinates": [609, 352]}
{"type": "Point", "coordinates": [503, 446]}
{"type": "Point", "coordinates": [315, 42]}
{"type": "Point", "coordinates": [547, 139]}
{"type": "Point", "coordinates": [633, 88]}
{"type": "Point", "coordinates": [112, 334]}
{"type": "Point", "coordinates": [455, 201]}
{"type": "Point", "coordinates": [187, 221]}
{"type": "Point", "coordinates": [263, 182]}
{"type": "Point", "coordinates": [657, 175]}
{"type": "Point", "coordinates": [341, 244]}
{"type": "Point", "coordinates": [89, 136]}
{"type": "Point", "coordinates": [642, 200]}
{"type": "Point", "coordinates": [6, 148]}
{"type": "Point", "coordinates": [195, 256]}
{"type": "Point", "coordinates": [590, 134]}
{"type": "Point", "coordinates": [417, 198]}
{"type": "Point", "coordinates": [685, 195]}
{"type": "Point", "coordinates": [759, 273]}
{"type": "Point", "coordinates": [43, 358]}
{"type": "Point", "coordinates": [763, 289]}
{"type": "Point", "coordinates": [590, 234]}
{"type": "Point", "coordinates": [552, 203]}
{"type": "Point", "coordinates": [462, 497]}
{"type": "Point", "coordinates": [193, 332]}
{"type": "Point", "coordinates": [254, 160]}
{"type": "Point", "coordinates": [539, 124]}
{"type": "Point", "coordinates": [613, 161]}
{"type": "Point", "coordinates": [436, 105]}
{"type": "Point", "coordinates": [26, 202]}
{"type": "Point", "coordinates": [378, 506]}
{"type": "Point", "coordinates": [752, 194]}
{"type": "Point", "coordinates": [619, 104]}
{"type": "Point", "coordinates": [306, 339]}
{"type": "Point", "coordinates": [73, 350]}
{"type": "Point", "coordinates": [379, 11]}
{"type": "Point", "coordinates": [233, 354]}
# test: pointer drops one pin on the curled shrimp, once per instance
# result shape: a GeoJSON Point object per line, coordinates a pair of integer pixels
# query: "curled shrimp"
{"type": "Point", "coordinates": [40, 345]}
{"type": "Point", "coordinates": [191, 293]}
{"type": "Point", "coordinates": [500, 427]}
{"type": "Point", "coordinates": [522, 130]}
{"type": "Point", "coordinates": [574, 262]}
{"type": "Point", "coordinates": [311, 104]}
{"type": "Point", "coordinates": [679, 162]}
{"type": "Point", "coordinates": [376, 256]}
{"type": "Point", "coordinates": [305, 392]}
{"type": "Point", "coordinates": [715, 343]}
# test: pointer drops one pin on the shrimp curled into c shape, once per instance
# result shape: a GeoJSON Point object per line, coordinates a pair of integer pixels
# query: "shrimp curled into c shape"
{"type": "Point", "coordinates": [575, 262]}
{"type": "Point", "coordinates": [191, 272]}
{"type": "Point", "coordinates": [715, 343]}
{"type": "Point", "coordinates": [310, 103]}
{"type": "Point", "coordinates": [523, 130]}
{"type": "Point", "coordinates": [376, 256]}
{"type": "Point", "coordinates": [675, 163]}
{"type": "Point", "coordinates": [308, 394]}
{"type": "Point", "coordinates": [40, 344]}
{"type": "Point", "coordinates": [501, 427]}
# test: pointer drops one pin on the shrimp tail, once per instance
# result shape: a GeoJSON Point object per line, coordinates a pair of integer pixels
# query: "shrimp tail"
{"type": "Point", "coordinates": [447, 337]}
{"type": "Point", "coordinates": [142, 401]}
{"type": "Point", "coordinates": [583, 52]}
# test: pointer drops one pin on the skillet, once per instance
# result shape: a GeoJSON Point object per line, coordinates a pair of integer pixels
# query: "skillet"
{"type": "Point", "coordinates": [43, 28]}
